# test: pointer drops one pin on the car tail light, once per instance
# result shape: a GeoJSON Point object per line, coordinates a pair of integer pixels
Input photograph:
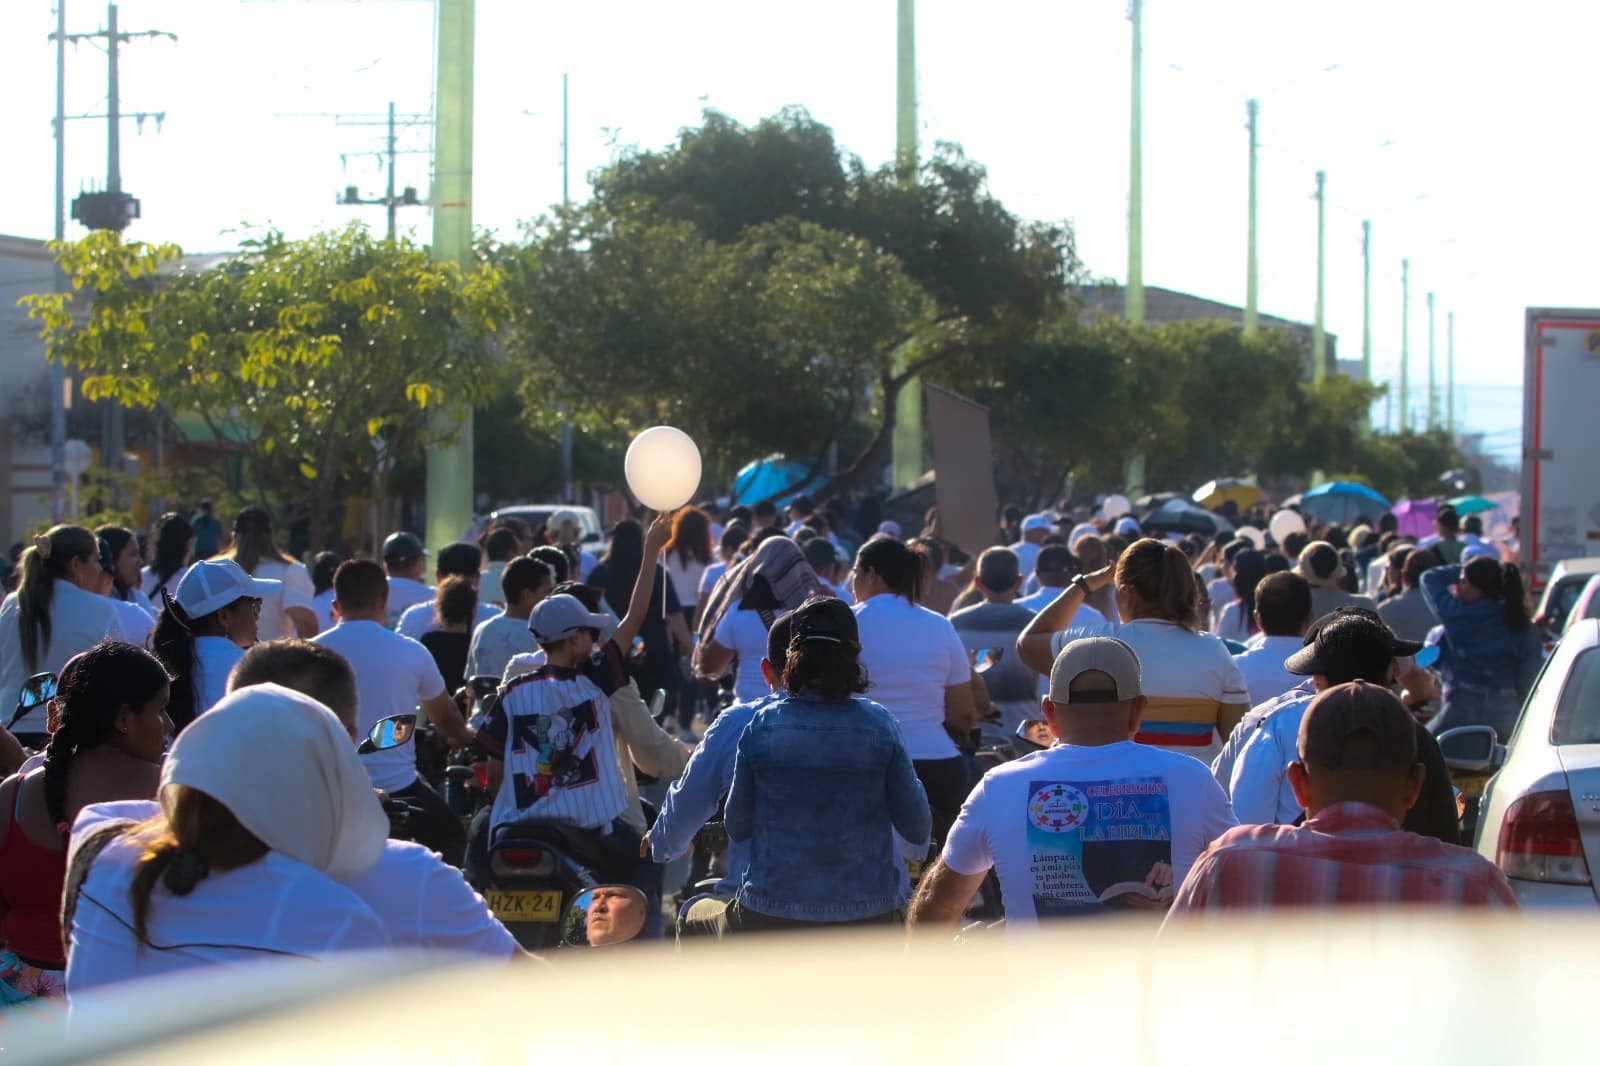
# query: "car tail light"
{"type": "Point", "coordinates": [1540, 841]}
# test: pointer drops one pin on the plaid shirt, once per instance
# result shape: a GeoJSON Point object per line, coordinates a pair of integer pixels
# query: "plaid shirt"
{"type": "Point", "coordinates": [1349, 854]}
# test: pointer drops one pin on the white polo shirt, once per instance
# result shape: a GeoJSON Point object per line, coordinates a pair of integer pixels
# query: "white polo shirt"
{"type": "Point", "coordinates": [911, 655]}
{"type": "Point", "coordinates": [393, 675]}
{"type": "Point", "coordinates": [297, 591]}
{"type": "Point", "coordinates": [78, 621]}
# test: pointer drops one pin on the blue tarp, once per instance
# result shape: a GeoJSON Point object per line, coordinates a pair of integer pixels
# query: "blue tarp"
{"type": "Point", "coordinates": [773, 475]}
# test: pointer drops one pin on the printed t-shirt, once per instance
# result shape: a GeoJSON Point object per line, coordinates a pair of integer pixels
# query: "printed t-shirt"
{"type": "Point", "coordinates": [394, 674]}
{"type": "Point", "coordinates": [1188, 677]}
{"type": "Point", "coordinates": [269, 909]}
{"type": "Point", "coordinates": [746, 635]}
{"type": "Point", "coordinates": [1077, 830]}
{"type": "Point", "coordinates": [553, 729]}
{"type": "Point", "coordinates": [911, 655]}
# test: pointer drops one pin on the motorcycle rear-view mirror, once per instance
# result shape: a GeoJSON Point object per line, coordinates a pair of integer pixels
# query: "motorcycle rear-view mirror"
{"type": "Point", "coordinates": [483, 685]}
{"type": "Point", "coordinates": [35, 692]}
{"type": "Point", "coordinates": [388, 733]}
{"type": "Point", "coordinates": [604, 916]}
{"type": "Point", "coordinates": [1035, 732]}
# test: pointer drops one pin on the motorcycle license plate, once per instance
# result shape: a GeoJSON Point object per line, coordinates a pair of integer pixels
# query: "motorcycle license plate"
{"type": "Point", "coordinates": [525, 906]}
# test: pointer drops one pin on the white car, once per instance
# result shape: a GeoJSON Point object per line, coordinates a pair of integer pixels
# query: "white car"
{"type": "Point", "coordinates": [537, 514]}
{"type": "Point", "coordinates": [1561, 594]}
{"type": "Point", "coordinates": [1539, 819]}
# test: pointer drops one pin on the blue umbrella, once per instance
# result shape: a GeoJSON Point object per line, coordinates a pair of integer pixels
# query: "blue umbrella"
{"type": "Point", "coordinates": [766, 477]}
{"type": "Point", "coordinates": [1342, 501]}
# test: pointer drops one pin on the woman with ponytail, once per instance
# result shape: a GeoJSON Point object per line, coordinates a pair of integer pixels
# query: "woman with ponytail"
{"type": "Point", "coordinates": [1493, 653]}
{"type": "Point", "coordinates": [232, 867]}
{"type": "Point", "coordinates": [290, 613]}
{"type": "Point", "coordinates": [56, 612]}
{"type": "Point", "coordinates": [174, 546]}
{"type": "Point", "coordinates": [113, 730]}
{"type": "Point", "coordinates": [119, 558]}
{"type": "Point", "coordinates": [1196, 692]}
{"type": "Point", "coordinates": [203, 629]}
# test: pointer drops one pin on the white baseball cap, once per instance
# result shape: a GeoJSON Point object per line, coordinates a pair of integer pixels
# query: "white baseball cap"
{"type": "Point", "coordinates": [212, 585]}
{"type": "Point", "coordinates": [1036, 522]}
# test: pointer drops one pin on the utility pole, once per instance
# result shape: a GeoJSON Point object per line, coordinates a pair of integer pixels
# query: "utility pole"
{"type": "Point", "coordinates": [1133, 295]}
{"type": "Point", "coordinates": [1319, 335]}
{"type": "Point", "coordinates": [391, 202]}
{"type": "Point", "coordinates": [58, 371]}
{"type": "Point", "coordinates": [1366, 300]}
{"type": "Point", "coordinates": [566, 423]}
{"type": "Point", "coordinates": [1405, 344]}
{"type": "Point", "coordinates": [565, 200]}
{"type": "Point", "coordinates": [1433, 406]}
{"type": "Point", "coordinates": [449, 466]}
{"type": "Point", "coordinates": [1450, 372]}
{"type": "Point", "coordinates": [906, 446]}
{"type": "Point", "coordinates": [1252, 109]}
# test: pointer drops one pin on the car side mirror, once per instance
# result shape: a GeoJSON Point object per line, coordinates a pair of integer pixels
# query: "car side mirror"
{"type": "Point", "coordinates": [1472, 749]}
{"type": "Point", "coordinates": [388, 733]}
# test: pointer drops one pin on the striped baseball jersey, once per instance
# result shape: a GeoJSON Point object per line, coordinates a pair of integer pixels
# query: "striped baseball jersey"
{"type": "Point", "coordinates": [1187, 676]}
{"type": "Point", "coordinates": [553, 729]}
{"type": "Point", "coordinates": [1349, 854]}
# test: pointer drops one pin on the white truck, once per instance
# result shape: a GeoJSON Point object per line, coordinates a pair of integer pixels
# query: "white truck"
{"type": "Point", "coordinates": [1560, 429]}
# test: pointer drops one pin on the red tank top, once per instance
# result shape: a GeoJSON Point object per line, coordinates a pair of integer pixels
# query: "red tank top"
{"type": "Point", "coordinates": [31, 880]}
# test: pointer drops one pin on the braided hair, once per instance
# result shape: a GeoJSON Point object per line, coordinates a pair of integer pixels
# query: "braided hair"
{"type": "Point", "coordinates": [94, 686]}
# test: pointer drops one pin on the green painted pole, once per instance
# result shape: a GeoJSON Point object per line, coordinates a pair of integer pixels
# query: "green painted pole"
{"type": "Point", "coordinates": [1433, 404]}
{"type": "Point", "coordinates": [1252, 277]}
{"type": "Point", "coordinates": [1405, 345]}
{"type": "Point", "coordinates": [1366, 300]}
{"type": "Point", "coordinates": [449, 467]}
{"type": "Point", "coordinates": [906, 465]}
{"type": "Point", "coordinates": [1450, 372]}
{"type": "Point", "coordinates": [1133, 295]}
{"type": "Point", "coordinates": [1319, 336]}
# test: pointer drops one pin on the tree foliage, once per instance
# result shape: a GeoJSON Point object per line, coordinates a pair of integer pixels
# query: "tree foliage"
{"type": "Point", "coordinates": [309, 350]}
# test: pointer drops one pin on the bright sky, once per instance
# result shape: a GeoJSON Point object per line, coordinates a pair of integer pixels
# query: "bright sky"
{"type": "Point", "coordinates": [1455, 126]}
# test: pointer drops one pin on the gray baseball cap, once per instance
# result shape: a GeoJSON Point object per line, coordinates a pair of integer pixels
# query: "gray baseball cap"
{"type": "Point", "coordinates": [1106, 655]}
{"type": "Point", "coordinates": [558, 617]}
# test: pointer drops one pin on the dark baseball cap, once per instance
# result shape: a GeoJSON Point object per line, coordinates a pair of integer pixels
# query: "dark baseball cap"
{"type": "Point", "coordinates": [1349, 642]}
{"type": "Point", "coordinates": [823, 618]}
{"type": "Point", "coordinates": [459, 558]}
{"type": "Point", "coordinates": [1358, 726]}
{"type": "Point", "coordinates": [402, 547]}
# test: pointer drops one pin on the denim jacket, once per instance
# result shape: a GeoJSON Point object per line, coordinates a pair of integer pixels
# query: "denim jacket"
{"type": "Point", "coordinates": [819, 789]}
{"type": "Point", "coordinates": [1484, 654]}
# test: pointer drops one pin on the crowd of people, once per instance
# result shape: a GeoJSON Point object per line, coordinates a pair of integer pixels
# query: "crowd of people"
{"type": "Point", "coordinates": [1079, 719]}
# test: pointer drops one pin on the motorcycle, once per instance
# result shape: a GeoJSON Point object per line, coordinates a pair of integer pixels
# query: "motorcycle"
{"type": "Point", "coordinates": [536, 871]}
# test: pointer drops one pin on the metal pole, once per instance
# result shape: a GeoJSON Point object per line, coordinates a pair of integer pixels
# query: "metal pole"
{"type": "Point", "coordinates": [906, 446]}
{"type": "Point", "coordinates": [388, 199]}
{"type": "Point", "coordinates": [1366, 300]}
{"type": "Point", "coordinates": [1450, 372]}
{"type": "Point", "coordinates": [449, 468]}
{"type": "Point", "coordinates": [566, 423]}
{"type": "Point", "coordinates": [1252, 279]}
{"type": "Point", "coordinates": [58, 372]}
{"type": "Point", "coordinates": [1319, 336]}
{"type": "Point", "coordinates": [113, 107]}
{"type": "Point", "coordinates": [564, 169]}
{"type": "Point", "coordinates": [1433, 406]}
{"type": "Point", "coordinates": [1405, 345]}
{"type": "Point", "coordinates": [1134, 294]}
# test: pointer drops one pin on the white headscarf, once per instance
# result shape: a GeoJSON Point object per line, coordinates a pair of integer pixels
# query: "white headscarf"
{"type": "Point", "coordinates": [286, 769]}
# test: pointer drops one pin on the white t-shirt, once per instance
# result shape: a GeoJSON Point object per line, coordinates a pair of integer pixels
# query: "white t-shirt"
{"type": "Point", "coordinates": [586, 564]}
{"type": "Point", "coordinates": [912, 655]}
{"type": "Point", "coordinates": [1259, 783]}
{"type": "Point", "coordinates": [709, 579]}
{"type": "Point", "coordinates": [322, 606]}
{"type": "Point", "coordinates": [419, 620]}
{"type": "Point", "coordinates": [403, 594]}
{"type": "Point", "coordinates": [685, 577]}
{"type": "Point", "coordinates": [1027, 556]}
{"type": "Point", "coordinates": [78, 621]}
{"type": "Point", "coordinates": [137, 623]}
{"type": "Point", "coordinates": [297, 591]}
{"type": "Point", "coordinates": [214, 660]}
{"type": "Point", "coordinates": [1082, 830]}
{"type": "Point", "coordinates": [744, 633]}
{"type": "Point", "coordinates": [424, 902]}
{"type": "Point", "coordinates": [1188, 677]}
{"type": "Point", "coordinates": [393, 675]}
{"type": "Point", "coordinates": [148, 582]}
{"type": "Point", "coordinates": [490, 586]}
{"type": "Point", "coordinates": [1232, 624]}
{"type": "Point", "coordinates": [1085, 615]}
{"type": "Point", "coordinates": [1262, 666]}
{"type": "Point", "coordinates": [495, 641]}
{"type": "Point", "coordinates": [272, 908]}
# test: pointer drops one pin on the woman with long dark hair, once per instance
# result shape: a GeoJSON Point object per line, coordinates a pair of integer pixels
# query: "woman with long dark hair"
{"type": "Point", "coordinates": [56, 612]}
{"type": "Point", "coordinates": [289, 613]}
{"type": "Point", "coordinates": [687, 556]}
{"type": "Point", "coordinates": [822, 856]}
{"type": "Point", "coordinates": [174, 546]}
{"type": "Point", "coordinates": [119, 558]}
{"type": "Point", "coordinates": [113, 728]}
{"type": "Point", "coordinates": [664, 634]}
{"type": "Point", "coordinates": [455, 605]}
{"type": "Point", "coordinates": [1196, 692]}
{"type": "Point", "coordinates": [1237, 622]}
{"type": "Point", "coordinates": [203, 630]}
{"type": "Point", "coordinates": [1491, 652]}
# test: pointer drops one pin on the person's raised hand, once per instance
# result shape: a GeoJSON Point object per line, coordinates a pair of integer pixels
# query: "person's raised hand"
{"type": "Point", "coordinates": [1100, 578]}
{"type": "Point", "coordinates": [659, 533]}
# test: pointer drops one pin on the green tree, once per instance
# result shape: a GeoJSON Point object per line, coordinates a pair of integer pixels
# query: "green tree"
{"type": "Point", "coordinates": [310, 349]}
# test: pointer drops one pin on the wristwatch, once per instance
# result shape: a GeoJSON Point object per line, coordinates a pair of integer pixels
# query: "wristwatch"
{"type": "Point", "coordinates": [1080, 582]}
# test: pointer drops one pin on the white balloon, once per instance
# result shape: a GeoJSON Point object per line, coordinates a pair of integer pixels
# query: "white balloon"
{"type": "Point", "coordinates": [663, 468]}
{"type": "Point", "coordinates": [1284, 523]}
{"type": "Point", "coordinates": [1116, 506]}
{"type": "Point", "coordinates": [1254, 536]}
